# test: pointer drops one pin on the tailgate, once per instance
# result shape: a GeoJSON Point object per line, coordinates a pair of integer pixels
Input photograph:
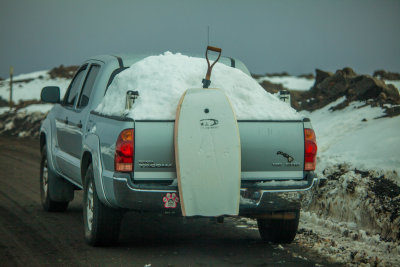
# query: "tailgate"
{"type": "Point", "coordinates": [154, 151]}
{"type": "Point", "coordinates": [270, 150]}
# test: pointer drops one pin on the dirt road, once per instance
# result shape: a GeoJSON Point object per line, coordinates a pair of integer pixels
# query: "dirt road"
{"type": "Point", "coordinates": [30, 236]}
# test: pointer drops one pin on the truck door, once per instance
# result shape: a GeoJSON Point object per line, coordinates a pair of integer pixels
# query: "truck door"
{"type": "Point", "coordinates": [77, 117]}
{"type": "Point", "coordinates": [68, 130]}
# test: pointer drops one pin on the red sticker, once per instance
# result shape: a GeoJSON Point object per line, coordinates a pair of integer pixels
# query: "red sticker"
{"type": "Point", "coordinates": [170, 201]}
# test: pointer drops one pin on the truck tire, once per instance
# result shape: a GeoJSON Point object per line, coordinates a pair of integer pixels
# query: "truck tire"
{"type": "Point", "coordinates": [279, 230]}
{"type": "Point", "coordinates": [48, 182]}
{"type": "Point", "coordinates": [101, 223]}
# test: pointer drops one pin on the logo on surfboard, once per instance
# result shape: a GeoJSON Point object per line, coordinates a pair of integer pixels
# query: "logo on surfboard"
{"type": "Point", "coordinates": [209, 123]}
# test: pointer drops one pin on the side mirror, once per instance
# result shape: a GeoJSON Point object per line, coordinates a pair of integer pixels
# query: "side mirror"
{"type": "Point", "coordinates": [50, 94]}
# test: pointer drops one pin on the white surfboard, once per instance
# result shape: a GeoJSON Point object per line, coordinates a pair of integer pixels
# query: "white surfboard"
{"type": "Point", "coordinates": [207, 154]}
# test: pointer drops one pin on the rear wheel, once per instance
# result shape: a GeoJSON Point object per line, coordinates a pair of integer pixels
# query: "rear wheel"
{"type": "Point", "coordinates": [101, 223]}
{"type": "Point", "coordinates": [280, 230]}
{"type": "Point", "coordinates": [47, 177]}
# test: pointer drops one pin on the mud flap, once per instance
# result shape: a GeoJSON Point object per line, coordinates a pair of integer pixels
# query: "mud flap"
{"type": "Point", "coordinates": [60, 190]}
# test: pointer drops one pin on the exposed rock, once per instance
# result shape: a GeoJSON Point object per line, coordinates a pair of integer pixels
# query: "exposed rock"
{"type": "Point", "coordinates": [23, 104]}
{"type": "Point", "coordinates": [256, 76]}
{"type": "Point", "coordinates": [349, 72]}
{"type": "Point", "coordinates": [277, 74]}
{"type": "Point", "coordinates": [321, 75]}
{"type": "Point", "coordinates": [386, 75]}
{"type": "Point", "coordinates": [309, 76]}
{"type": "Point", "coordinates": [369, 198]}
{"type": "Point", "coordinates": [272, 88]}
{"type": "Point", "coordinates": [329, 87]}
{"type": "Point", "coordinates": [23, 80]}
{"type": "Point", "coordinates": [63, 72]}
{"type": "Point", "coordinates": [21, 124]}
{"type": "Point", "coordinates": [3, 103]}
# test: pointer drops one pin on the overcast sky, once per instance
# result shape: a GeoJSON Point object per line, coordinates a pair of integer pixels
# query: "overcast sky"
{"type": "Point", "coordinates": [269, 36]}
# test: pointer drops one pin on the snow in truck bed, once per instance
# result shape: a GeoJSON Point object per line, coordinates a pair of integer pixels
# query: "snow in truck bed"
{"type": "Point", "coordinates": [161, 81]}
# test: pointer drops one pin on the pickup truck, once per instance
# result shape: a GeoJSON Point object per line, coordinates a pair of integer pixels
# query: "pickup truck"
{"type": "Point", "coordinates": [123, 164]}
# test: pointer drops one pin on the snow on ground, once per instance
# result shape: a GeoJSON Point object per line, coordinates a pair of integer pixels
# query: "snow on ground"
{"type": "Point", "coordinates": [354, 218]}
{"type": "Point", "coordinates": [30, 89]}
{"type": "Point", "coordinates": [42, 108]}
{"type": "Point", "coordinates": [345, 242]}
{"type": "Point", "coordinates": [338, 242]}
{"type": "Point", "coordinates": [355, 135]}
{"type": "Point", "coordinates": [355, 215]}
{"type": "Point", "coordinates": [290, 82]}
{"type": "Point", "coordinates": [4, 109]}
{"type": "Point", "coordinates": [158, 98]}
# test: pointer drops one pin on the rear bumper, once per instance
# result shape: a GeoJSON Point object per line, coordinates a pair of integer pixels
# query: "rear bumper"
{"type": "Point", "coordinates": [256, 199]}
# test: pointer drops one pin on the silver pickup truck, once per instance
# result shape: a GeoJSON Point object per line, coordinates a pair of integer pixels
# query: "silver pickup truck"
{"type": "Point", "coordinates": [123, 164]}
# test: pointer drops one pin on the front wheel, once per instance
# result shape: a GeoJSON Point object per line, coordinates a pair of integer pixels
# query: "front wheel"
{"type": "Point", "coordinates": [101, 223]}
{"type": "Point", "coordinates": [281, 230]}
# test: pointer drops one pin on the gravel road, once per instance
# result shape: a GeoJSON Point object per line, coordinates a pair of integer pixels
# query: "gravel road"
{"type": "Point", "coordinates": [30, 236]}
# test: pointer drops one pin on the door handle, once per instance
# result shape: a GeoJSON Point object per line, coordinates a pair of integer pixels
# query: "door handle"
{"type": "Point", "coordinates": [89, 125]}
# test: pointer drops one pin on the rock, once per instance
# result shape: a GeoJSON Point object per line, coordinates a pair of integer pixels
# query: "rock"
{"type": "Point", "coordinates": [334, 85]}
{"type": "Point", "coordinates": [382, 96]}
{"type": "Point", "coordinates": [309, 76]}
{"type": "Point", "coordinates": [256, 76]}
{"type": "Point", "coordinates": [321, 75]}
{"type": "Point", "coordinates": [391, 91]}
{"type": "Point", "coordinates": [383, 75]}
{"type": "Point", "coordinates": [3, 103]}
{"type": "Point", "coordinates": [272, 88]}
{"type": "Point", "coordinates": [63, 72]}
{"type": "Point", "coordinates": [347, 83]}
{"type": "Point", "coordinates": [278, 74]}
{"type": "Point", "coordinates": [367, 87]}
{"type": "Point", "coordinates": [21, 124]}
{"type": "Point", "coordinates": [349, 72]}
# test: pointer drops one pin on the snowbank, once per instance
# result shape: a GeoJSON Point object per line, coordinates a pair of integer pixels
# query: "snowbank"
{"type": "Point", "coordinates": [42, 108]}
{"type": "Point", "coordinates": [28, 86]}
{"type": "Point", "coordinates": [161, 81]}
{"type": "Point", "coordinates": [354, 135]}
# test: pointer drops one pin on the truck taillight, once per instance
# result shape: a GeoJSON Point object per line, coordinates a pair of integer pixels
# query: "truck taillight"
{"type": "Point", "coordinates": [124, 151]}
{"type": "Point", "coordinates": [310, 150]}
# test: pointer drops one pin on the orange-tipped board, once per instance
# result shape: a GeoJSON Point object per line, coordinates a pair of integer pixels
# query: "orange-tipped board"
{"type": "Point", "coordinates": [207, 154]}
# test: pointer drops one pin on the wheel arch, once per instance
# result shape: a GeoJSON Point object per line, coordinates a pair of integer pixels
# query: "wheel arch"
{"type": "Point", "coordinates": [85, 162]}
{"type": "Point", "coordinates": [92, 155]}
{"type": "Point", "coordinates": [42, 140]}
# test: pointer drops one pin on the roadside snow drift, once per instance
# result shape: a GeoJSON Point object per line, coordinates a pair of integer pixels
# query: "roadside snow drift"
{"type": "Point", "coordinates": [161, 81]}
{"type": "Point", "coordinates": [358, 135]}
